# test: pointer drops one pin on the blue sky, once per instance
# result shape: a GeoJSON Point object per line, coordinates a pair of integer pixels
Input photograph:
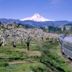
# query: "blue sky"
{"type": "Point", "coordinates": [51, 9]}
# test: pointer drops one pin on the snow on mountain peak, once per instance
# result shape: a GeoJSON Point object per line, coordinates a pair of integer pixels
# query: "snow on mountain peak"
{"type": "Point", "coordinates": [36, 17]}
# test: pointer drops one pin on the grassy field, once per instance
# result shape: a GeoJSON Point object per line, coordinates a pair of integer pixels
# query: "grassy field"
{"type": "Point", "coordinates": [45, 58]}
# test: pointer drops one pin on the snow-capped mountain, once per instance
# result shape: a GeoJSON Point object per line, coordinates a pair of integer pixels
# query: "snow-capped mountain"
{"type": "Point", "coordinates": [35, 21]}
{"type": "Point", "coordinates": [36, 17]}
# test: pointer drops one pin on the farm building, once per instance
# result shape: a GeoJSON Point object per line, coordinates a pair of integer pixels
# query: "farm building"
{"type": "Point", "coordinates": [66, 45]}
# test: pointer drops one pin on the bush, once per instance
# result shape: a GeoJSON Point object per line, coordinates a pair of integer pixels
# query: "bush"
{"type": "Point", "coordinates": [4, 64]}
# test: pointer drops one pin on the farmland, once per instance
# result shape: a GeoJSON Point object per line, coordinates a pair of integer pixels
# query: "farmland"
{"type": "Point", "coordinates": [45, 58]}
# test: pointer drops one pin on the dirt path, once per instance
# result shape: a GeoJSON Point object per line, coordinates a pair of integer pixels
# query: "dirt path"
{"type": "Point", "coordinates": [21, 62]}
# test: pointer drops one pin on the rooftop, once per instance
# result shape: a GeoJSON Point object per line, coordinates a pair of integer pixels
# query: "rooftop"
{"type": "Point", "coordinates": [68, 39]}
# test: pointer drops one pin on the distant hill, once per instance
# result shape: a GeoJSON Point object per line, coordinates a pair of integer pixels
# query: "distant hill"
{"type": "Point", "coordinates": [37, 24]}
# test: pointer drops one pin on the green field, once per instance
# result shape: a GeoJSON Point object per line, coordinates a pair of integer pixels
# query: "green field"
{"type": "Point", "coordinates": [45, 58]}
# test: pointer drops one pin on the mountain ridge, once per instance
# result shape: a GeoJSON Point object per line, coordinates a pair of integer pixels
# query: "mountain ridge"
{"type": "Point", "coordinates": [37, 24]}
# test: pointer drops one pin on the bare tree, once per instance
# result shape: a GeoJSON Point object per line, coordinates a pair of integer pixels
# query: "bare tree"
{"type": "Point", "coordinates": [31, 34]}
{"type": "Point", "coordinates": [14, 38]}
{"type": "Point", "coordinates": [5, 36]}
{"type": "Point", "coordinates": [1, 40]}
{"type": "Point", "coordinates": [39, 37]}
{"type": "Point", "coordinates": [27, 38]}
{"type": "Point", "coordinates": [25, 35]}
